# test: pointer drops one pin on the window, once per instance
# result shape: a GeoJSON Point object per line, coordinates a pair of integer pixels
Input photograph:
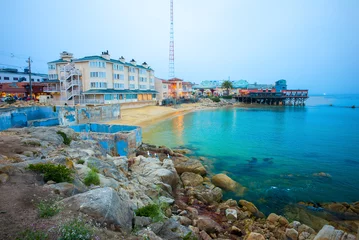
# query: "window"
{"type": "Point", "coordinates": [118, 67]}
{"type": "Point", "coordinates": [38, 80]}
{"type": "Point", "coordinates": [98, 64]}
{"type": "Point", "coordinates": [143, 71]}
{"type": "Point", "coordinates": [132, 86]}
{"type": "Point", "coordinates": [98, 85]}
{"type": "Point", "coordinates": [52, 66]}
{"type": "Point", "coordinates": [32, 79]}
{"type": "Point", "coordinates": [131, 78]}
{"type": "Point", "coordinates": [151, 80]}
{"type": "Point", "coordinates": [98, 74]}
{"type": "Point", "coordinates": [132, 69]}
{"type": "Point", "coordinates": [118, 86]}
{"type": "Point", "coordinates": [15, 79]}
{"type": "Point", "coordinates": [164, 86]}
{"type": "Point", "coordinates": [108, 97]}
{"type": "Point", "coordinates": [143, 79]}
{"type": "Point", "coordinates": [6, 78]}
{"type": "Point", "coordinates": [52, 76]}
{"type": "Point", "coordinates": [131, 96]}
{"type": "Point", "coordinates": [152, 87]}
{"type": "Point", "coordinates": [143, 87]}
{"type": "Point", "coordinates": [118, 76]}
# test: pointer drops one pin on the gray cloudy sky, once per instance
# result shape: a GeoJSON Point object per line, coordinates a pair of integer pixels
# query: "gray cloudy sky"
{"type": "Point", "coordinates": [313, 44]}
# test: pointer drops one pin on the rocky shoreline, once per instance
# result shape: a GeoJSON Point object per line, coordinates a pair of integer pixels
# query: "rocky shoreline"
{"type": "Point", "coordinates": [192, 205]}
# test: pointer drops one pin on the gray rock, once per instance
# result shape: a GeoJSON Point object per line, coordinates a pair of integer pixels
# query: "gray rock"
{"type": "Point", "coordinates": [142, 221]}
{"type": "Point", "coordinates": [104, 205]}
{"type": "Point", "coordinates": [330, 233]}
{"type": "Point", "coordinates": [191, 179]}
{"type": "Point", "coordinates": [148, 234]}
{"type": "Point", "coordinates": [170, 229]}
{"type": "Point", "coordinates": [4, 178]}
{"type": "Point", "coordinates": [208, 195]}
{"type": "Point", "coordinates": [191, 165]}
{"type": "Point", "coordinates": [231, 214]}
{"type": "Point", "coordinates": [208, 225]}
{"type": "Point", "coordinates": [63, 189]}
{"type": "Point", "coordinates": [121, 162]}
{"type": "Point", "coordinates": [291, 233]}
{"type": "Point", "coordinates": [166, 200]}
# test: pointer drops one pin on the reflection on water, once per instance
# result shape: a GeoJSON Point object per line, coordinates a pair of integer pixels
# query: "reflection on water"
{"type": "Point", "coordinates": [178, 127]}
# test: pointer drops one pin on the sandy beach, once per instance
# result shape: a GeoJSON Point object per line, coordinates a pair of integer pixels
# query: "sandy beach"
{"type": "Point", "coordinates": [146, 116]}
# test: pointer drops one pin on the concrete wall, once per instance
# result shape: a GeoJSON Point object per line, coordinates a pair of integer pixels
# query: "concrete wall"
{"type": "Point", "coordinates": [116, 140]}
{"type": "Point", "coordinates": [46, 116]}
{"type": "Point", "coordinates": [85, 114]}
{"type": "Point", "coordinates": [27, 116]}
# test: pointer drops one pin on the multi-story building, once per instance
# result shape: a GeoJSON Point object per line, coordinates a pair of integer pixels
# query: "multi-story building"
{"type": "Point", "coordinates": [9, 75]}
{"type": "Point", "coordinates": [99, 80]}
{"type": "Point", "coordinates": [162, 87]}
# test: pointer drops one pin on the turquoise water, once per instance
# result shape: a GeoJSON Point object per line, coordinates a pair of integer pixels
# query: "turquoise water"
{"type": "Point", "coordinates": [274, 151]}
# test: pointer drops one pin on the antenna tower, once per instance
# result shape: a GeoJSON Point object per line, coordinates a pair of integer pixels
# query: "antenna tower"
{"type": "Point", "coordinates": [171, 66]}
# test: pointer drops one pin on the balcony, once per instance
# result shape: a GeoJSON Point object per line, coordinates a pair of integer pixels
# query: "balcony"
{"type": "Point", "coordinates": [52, 89]}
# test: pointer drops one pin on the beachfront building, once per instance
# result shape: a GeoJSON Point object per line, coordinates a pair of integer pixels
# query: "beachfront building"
{"type": "Point", "coordinates": [21, 90]}
{"type": "Point", "coordinates": [99, 79]}
{"type": "Point", "coordinates": [10, 75]}
{"type": "Point", "coordinates": [214, 87]}
{"type": "Point", "coordinates": [162, 87]}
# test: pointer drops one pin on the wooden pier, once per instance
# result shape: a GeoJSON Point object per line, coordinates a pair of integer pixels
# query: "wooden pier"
{"type": "Point", "coordinates": [285, 97]}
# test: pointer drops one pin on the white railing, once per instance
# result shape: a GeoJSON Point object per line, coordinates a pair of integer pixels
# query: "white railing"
{"type": "Point", "coordinates": [51, 89]}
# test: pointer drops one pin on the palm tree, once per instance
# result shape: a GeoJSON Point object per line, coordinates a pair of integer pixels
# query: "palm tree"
{"type": "Point", "coordinates": [227, 85]}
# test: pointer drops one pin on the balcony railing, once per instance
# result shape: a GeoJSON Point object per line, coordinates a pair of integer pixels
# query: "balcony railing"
{"type": "Point", "coordinates": [51, 89]}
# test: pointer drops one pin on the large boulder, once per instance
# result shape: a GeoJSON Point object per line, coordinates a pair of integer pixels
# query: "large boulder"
{"type": "Point", "coordinates": [191, 165]}
{"type": "Point", "coordinates": [330, 233]}
{"type": "Point", "coordinates": [251, 208]}
{"type": "Point", "coordinates": [208, 225]}
{"type": "Point", "coordinates": [170, 229]}
{"type": "Point", "coordinates": [223, 181]}
{"type": "Point", "coordinates": [255, 236]}
{"type": "Point", "coordinates": [191, 179]}
{"type": "Point", "coordinates": [208, 195]}
{"type": "Point", "coordinates": [104, 205]}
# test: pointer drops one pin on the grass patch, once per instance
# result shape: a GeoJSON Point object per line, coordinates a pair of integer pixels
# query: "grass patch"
{"type": "Point", "coordinates": [93, 167]}
{"type": "Point", "coordinates": [80, 161]}
{"type": "Point", "coordinates": [48, 208]}
{"type": "Point", "coordinates": [76, 229]}
{"type": "Point", "coordinates": [92, 178]}
{"type": "Point", "coordinates": [189, 237]}
{"type": "Point", "coordinates": [67, 140]}
{"type": "Point", "coordinates": [154, 211]}
{"type": "Point", "coordinates": [29, 234]}
{"type": "Point", "coordinates": [57, 173]}
{"type": "Point", "coordinates": [215, 99]}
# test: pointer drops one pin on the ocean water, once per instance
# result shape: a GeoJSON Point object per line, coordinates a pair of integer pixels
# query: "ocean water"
{"type": "Point", "coordinates": [274, 151]}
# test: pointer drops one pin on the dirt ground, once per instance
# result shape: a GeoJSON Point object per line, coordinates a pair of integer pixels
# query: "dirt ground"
{"type": "Point", "coordinates": [18, 212]}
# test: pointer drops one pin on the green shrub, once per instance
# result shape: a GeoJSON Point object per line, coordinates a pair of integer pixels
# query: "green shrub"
{"type": "Point", "coordinates": [189, 236]}
{"type": "Point", "coordinates": [215, 99]}
{"type": "Point", "coordinates": [29, 234]}
{"type": "Point", "coordinates": [154, 211]}
{"type": "Point", "coordinates": [76, 229]}
{"type": "Point", "coordinates": [80, 161]}
{"type": "Point", "coordinates": [93, 168]}
{"type": "Point", "coordinates": [48, 208]}
{"type": "Point", "coordinates": [10, 100]}
{"type": "Point", "coordinates": [227, 97]}
{"type": "Point", "coordinates": [67, 140]}
{"type": "Point", "coordinates": [92, 178]}
{"type": "Point", "coordinates": [57, 173]}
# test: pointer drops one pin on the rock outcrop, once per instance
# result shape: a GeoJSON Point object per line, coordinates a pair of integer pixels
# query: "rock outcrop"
{"type": "Point", "coordinates": [105, 205]}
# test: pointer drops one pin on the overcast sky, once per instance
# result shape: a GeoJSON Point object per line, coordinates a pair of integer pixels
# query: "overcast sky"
{"type": "Point", "coordinates": [313, 44]}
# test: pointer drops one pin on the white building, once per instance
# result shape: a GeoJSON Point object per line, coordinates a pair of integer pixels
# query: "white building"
{"type": "Point", "coordinates": [99, 79]}
{"type": "Point", "coordinates": [9, 75]}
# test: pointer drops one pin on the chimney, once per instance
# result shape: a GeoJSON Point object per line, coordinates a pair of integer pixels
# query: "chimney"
{"type": "Point", "coordinates": [66, 56]}
{"type": "Point", "coordinates": [133, 62]}
{"type": "Point", "coordinates": [145, 65]}
{"type": "Point", "coordinates": [122, 59]}
{"type": "Point", "coordinates": [105, 55]}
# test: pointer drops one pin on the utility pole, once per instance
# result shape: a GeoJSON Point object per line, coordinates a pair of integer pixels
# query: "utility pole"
{"type": "Point", "coordinates": [29, 61]}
